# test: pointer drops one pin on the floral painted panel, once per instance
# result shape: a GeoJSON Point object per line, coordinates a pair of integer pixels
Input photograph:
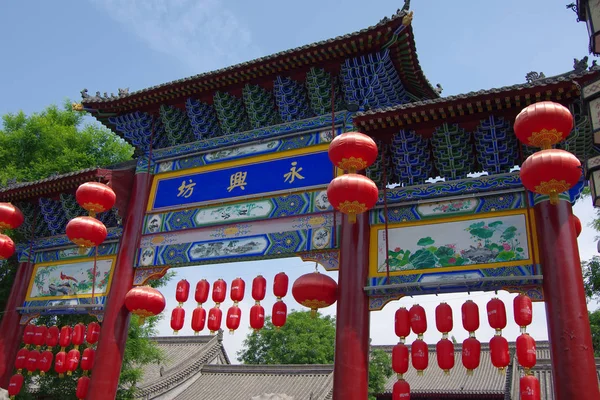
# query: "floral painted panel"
{"type": "Point", "coordinates": [461, 206]}
{"type": "Point", "coordinates": [453, 244]}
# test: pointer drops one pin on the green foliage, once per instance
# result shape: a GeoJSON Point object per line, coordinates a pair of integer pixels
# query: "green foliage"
{"type": "Point", "coordinates": [591, 276]}
{"type": "Point", "coordinates": [380, 369]}
{"type": "Point", "coordinates": [595, 325]}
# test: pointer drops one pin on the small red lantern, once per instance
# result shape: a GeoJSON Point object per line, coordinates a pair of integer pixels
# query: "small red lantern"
{"type": "Point", "coordinates": [526, 354]}
{"type": "Point", "coordinates": [470, 316]}
{"type": "Point", "coordinates": [259, 288]}
{"type": "Point", "coordinates": [78, 335]}
{"type": "Point", "coordinates": [72, 361]}
{"type": "Point", "coordinates": [95, 197]}
{"type": "Point", "coordinates": [177, 319]}
{"type": "Point", "coordinates": [400, 359]}
{"type": "Point", "coordinates": [83, 384]}
{"type": "Point", "coordinates": [39, 336]}
{"type": "Point", "coordinates": [402, 323]}
{"type": "Point", "coordinates": [219, 291]}
{"type": "Point", "coordinates": [280, 285]}
{"type": "Point", "coordinates": [238, 287]}
{"type": "Point", "coordinates": [7, 247]}
{"type": "Point", "coordinates": [401, 390]}
{"type": "Point", "coordinates": [419, 355]}
{"type": "Point", "coordinates": [60, 363]}
{"type": "Point", "coordinates": [499, 352]}
{"type": "Point", "coordinates": [215, 315]}
{"type": "Point", "coordinates": [93, 333]}
{"type": "Point", "coordinates": [182, 292]}
{"type": "Point", "coordinates": [87, 359]}
{"type": "Point", "coordinates": [32, 359]}
{"type": "Point", "coordinates": [471, 354]}
{"type": "Point", "coordinates": [234, 316]}
{"type": "Point", "coordinates": [144, 301]}
{"type": "Point", "coordinates": [86, 232]}
{"type": "Point", "coordinates": [28, 334]}
{"type": "Point", "coordinates": [578, 227]}
{"type": "Point", "coordinates": [443, 319]}
{"type": "Point", "coordinates": [543, 124]}
{"type": "Point", "coordinates": [529, 388]}
{"type": "Point", "coordinates": [550, 172]}
{"type": "Point", "coordinates": [202, 291]}
{"type": "Point", "coordinates": [64, 338]}
{"type": "Point", "coordinates": [21, 360]}
{"type": "Point", "coordinates": [257, 317]}
{"type": "Point", "coordinates": [279, 316]}
{"type": "Point", "coordinates": [315, 290]}
{"type": "Point", "coordinates": [198, 319]}
{"type": "Point", "coordinates": [418, 320]}
{"type": "Point", "coordinates": [44, 362]}
{"type": "Point", "coordinates": [352, 151]}
{"type": "Point", "coordinates": [352, 194]}
{"type": "Point", "coordinates": [10, 216]}
{"type": "Point", "coordinates": [496, 312]}
{"type": "Point", "coordinates": [52, 336]}
{"type": "Point", "coordinates": [14, 385]}
{"type": "Point", "coordinates": [523, 311]}
{"type": "Point", "coordinates": [445, 355]}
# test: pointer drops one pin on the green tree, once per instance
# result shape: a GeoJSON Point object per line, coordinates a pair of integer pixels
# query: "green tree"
{"type": "Point", "coordinates": [306, 340]}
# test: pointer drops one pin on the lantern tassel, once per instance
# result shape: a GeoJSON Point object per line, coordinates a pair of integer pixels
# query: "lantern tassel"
{"type": "Point", "coordinates": [42, 373]}
{"type": "Point", "coordinates": [313, 313]}
{"type": "Point", "coordinates": [419, 373]}
{"type": "Point", "coordinates": [352, 218]}
{"type": "Point", "coordinates": [141, 321]}
{"type": "Point", "coordinates": [553, 197]}
{"type": "Point", "coordinates": [469, 372]}
{"type": "Point", "coordinates": [196, 333]}
{"type": "Point", "coordinates": [447, 372]}
{"type": "Point", "coordinates": [92, 213]}
{"type": "Point", "coordinates": [82, 250]}
{"type": "Point", "coordinates": [61, 376]}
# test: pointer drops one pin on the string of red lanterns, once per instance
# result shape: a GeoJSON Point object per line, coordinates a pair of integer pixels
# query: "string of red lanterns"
{"type": "Point", "coordinates": [418, 350]}
{"type": "Point", "coordinates": [10, 218]}
{"type": "Point", "coordinates": [257, 312]}
{"type": "Point", "coordinates": [199, 314]}
{"type": "Point", "coordinates": [234, 314]}
{"type": "Point", "coordinates": [471, 348]}
{"type": "Point", "coordinates": [182, 294]}
{"type": "Point", "coordinates": [215, 315]}
{"type": "Point", "coordinates": [444, 348]}
{"type": "Point", "coordinates": [280, 289]}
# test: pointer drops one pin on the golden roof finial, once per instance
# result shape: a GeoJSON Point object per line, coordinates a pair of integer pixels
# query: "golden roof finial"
{"type": "Point", "coordinates": [76, 106]}
{"type": "Point", "coordinates": [407, 19]}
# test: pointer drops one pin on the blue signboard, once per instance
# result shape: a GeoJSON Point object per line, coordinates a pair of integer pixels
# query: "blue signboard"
{"type": "Point", "coordinates": [287, 174]}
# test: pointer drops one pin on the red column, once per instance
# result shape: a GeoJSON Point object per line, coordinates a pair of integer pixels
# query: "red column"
{"type": "Point", "coordinates": [11, 332]}
{"type": "Point", "coordinates": [111, 346]}
{"type": "Point", "coordinates": [351, 369]}
{"type": "Point", "coordinates": [573, 366]}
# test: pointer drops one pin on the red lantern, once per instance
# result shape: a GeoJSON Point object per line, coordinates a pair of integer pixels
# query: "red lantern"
{"type": "Point", "coordinates": [83, 384]}
{"type": "Point", "coordinates": [315, 291]}
{"type": "Point", "coordinates": [95, 197]}
{"type": "Point", "coordinates": [87, 359]}
{"type": "Point", "coordinates": [352, 151]}
{"type": "Point", "coordinates": [418, 320]}
{"type": "Point", "coordinates": [44, 362]}
{"type": "Point", "coordinates": [31, 363]}
{"type": "Point", "coordinates": [177, 319]}
{"type": "Point", "coordinates": [526, 354]}
{"type": "Point", "coordinates": [578, 227]}
{"type": "Point", "coordinates": [470, 316]}
{"type": "Point", "coordinates": [523, 311]}
{"type": "Point", "coordinates": [238, 287]}
{"type": "Point", "coordinates": [496, 312]}
{"type": "Point", "coordinates": [60, 363]}
{"type": "Point", "coordinates": [543, 124]}
{"type": "Point", "coordinates": [202, 290]}
{"type": "Point", "coordinates": [93, 333]}
{"type": "Point", "coordinates": [64, 338]}
{"type": "Point", "coordinates": [52, 336]}
{"type": "Point", "coordinates": [234, 316]}
{"type": "Point", "coordinates": [182, 292]}
{"type": "Point", "coordinates": [144, 301]}
{"type": "Point", "coordinates": [550, 172]}
{"type": "Point", "coordinates": [219, 291]}
{"type": "Point", "coordinates": [352, 194]}
{"type": "Point", "coordinates": [78, 335]}
{"type": "Point", "coordinates": [471, 354]}
{"type": "Point", "coordinates": [28, 334]}
{"type": "Point", "coordinates": [259, 288]}
{"type": "Point", "coordinates": [39, 336]}
{"type": "Point", "coordinates": [400, 359]}
{"type": "Point", "coordinates": [72, 361]}
{"type": "Point", "coordinates": [529, 387]}
{"type": "Point", "coordinates": [419, 354]}
{"type": "Point", "coordinates": [7, 247]}
{"type": "Point", "coordinates": [499, 352]}
{"type": "Point", "coordinates": [15, 384]}
{"type": "Point", "coordinates": [10, 216]}
{"type": "Point", "coordinates": [198, 319]}
{"type": "Point", "coordinates": [280, 285]}
{"type": "Point", "coordinates": [215, 315]}
{"type": "Point", "coordinates": [402, 323]}
{"type": "Point", "coordinates": [401, 390]}
{"type": "Point", "coordinates": [279, 316]}
{"type": "Point", "coordinates": [21, 360]}
{"type": "Point", "coordinates": [257, 317]}
{"type": "Point", "coordinates": [86, 232]}
{"type": "Point", "coordinates": [445, 355]}
{"type": "Point", "coordinates": [443, 319]}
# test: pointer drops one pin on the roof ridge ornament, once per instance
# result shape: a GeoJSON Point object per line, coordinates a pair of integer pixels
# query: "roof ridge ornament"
{"type": "Point", "coordinates": [534, 76]}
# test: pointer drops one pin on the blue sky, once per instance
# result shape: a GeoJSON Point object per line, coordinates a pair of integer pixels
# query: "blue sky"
{"type": "Point", "coordinates": [52, 50]}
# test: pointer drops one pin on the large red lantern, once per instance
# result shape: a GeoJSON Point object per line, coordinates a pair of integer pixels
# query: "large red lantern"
{"type": "Point", "coordinates": [400, 359]}
{"type": "Point", "coordinates": [86, 232]}
{"type": "Point", "coordinates": [259, 288]}
{"type": "Point", "coordinates": [83, 384]}
{"type": "Point", "coordinates": [445, 355]}
{"type": "Point", "coordinates": [526, 353]}
{"type": "Point", "coordinates": [419, 354]}
{"type": "Point", "coordinates": [198, 319]}
{"type": "Point", "coordinates": [418, 320]}
{"type": "Point", "coordinates": [401, 390]}
{"type": "Point", "coordinates": [496, 312]}
{"type": "Point", "coordinates": [402, 323]}
{"type": "Point", "coordinates": [44, 362]}
{"type": "Point", "coordinates": [215, 315]}
{"type": "Point", "coordinates": [32, 359]}
{"type": "Point", "coordinates": [550, 172]}
{"type": "Point", "coordinates": [529, 388]}
{"type": "Point", "coordinates": [28, 334]}
{"type": "Point", "coordinates": [470, 316]}
{"type": "Point", "coordinates": [182, 292]}
{"type": "Point", "coordinates": [499, 352]}
{"type": "Point", "coordinates": [144, 301]}
{"type": "Point", "coordinates": [234, 317]}
{"type": "Point", "coordinates": [219, 291]}
{"type": "Point", "coordinates": [78, 336]}
{"type": "Point", "coordinates": [93, 333]}
{"type": "Point", "coordinates": [95, 197]}
{"type": "Point", "coordinates": [87, 359]}
{"type": "Point", "coordinates": [315, 291]}
{"type": "Point", "coordinates": [177, 319]}
{"type": "Point", "coordinates": [280, 285]}
{"type": "Point", "coordinates": [14, 385]}
{"type": "Point", "coordinates": [39, 336]}
{"type": "Point", "coordinates": [73, 357]}
{"type": "Point", "coordinates": [52, 336]}
{"type": "Point", "coordinates": [523, 311]}
{"type": "Point", "coordinates": [279, 316]}
{"type": "Point", "coordinates": [7, 247]}
{"type": "Point", "coordinates": [543, 124]}
{"type": "Point", "coordinates": [60, 363]}
{"type": "Point", "coordinates": [352, 194]}
{"type": "Point", "coordinates": [471, 354]}
{"type": "Point", "coordinates": [352, 151]}
{"type": "Point", "coordinates": [10, 216]}
{"type": "Point", "coordinates": [21, 360]}
{"type": "Point", "coordinates": [578, 226]}
{"type": "Point", "coordinates": [202, 291]}
{"type": "Point", "coordinates": [64, 339]}
{"type": "Point", "coordinates": [257, 317]}
{"type": "Point", "coordinates": [443, 319]}
{"type": "Point", "coordinates": [238, 288]}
